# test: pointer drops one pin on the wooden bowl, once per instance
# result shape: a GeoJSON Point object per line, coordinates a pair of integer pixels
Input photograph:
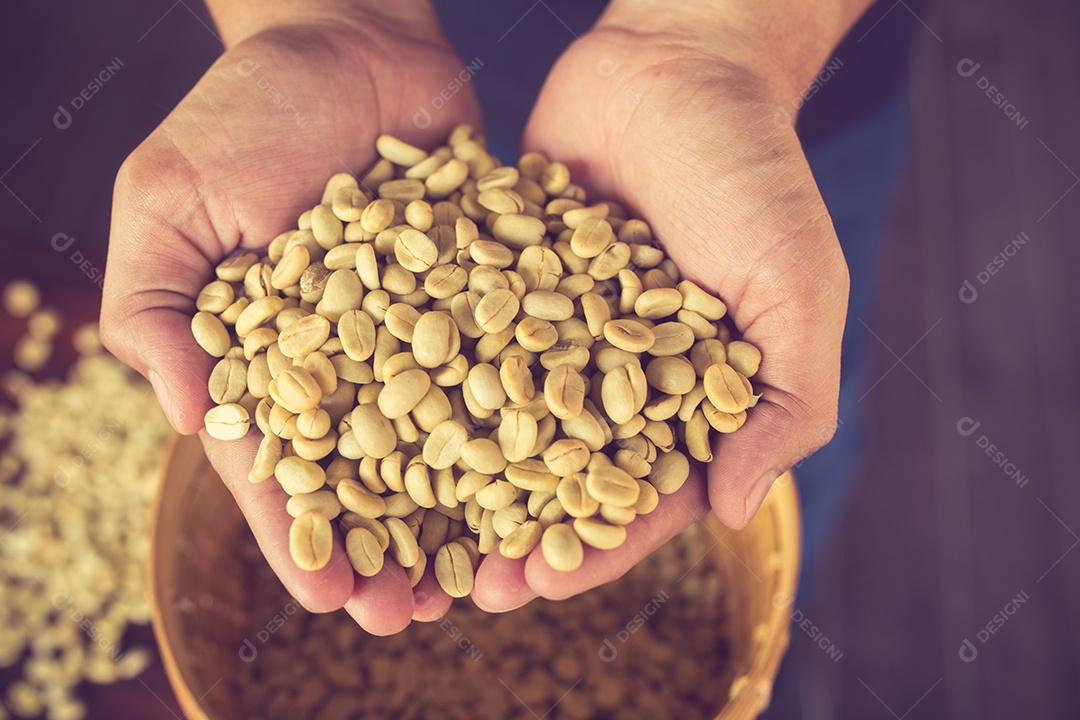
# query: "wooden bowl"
{"type": "Point", "coordinates": [199, 598]}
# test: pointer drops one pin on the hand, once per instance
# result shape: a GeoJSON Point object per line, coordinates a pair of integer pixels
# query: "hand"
{"type": "Point", "coordinates": [685, 137]}
{"type": "Point", "coordinates": [235, 163]}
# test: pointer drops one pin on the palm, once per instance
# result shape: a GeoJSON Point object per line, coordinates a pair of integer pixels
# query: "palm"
{"type": "Point", "coordinates": [279, 113]}
{"type": "Point", "coordinates": [691, 147]}
{"type": "Point", "coordinates": [234, 165]}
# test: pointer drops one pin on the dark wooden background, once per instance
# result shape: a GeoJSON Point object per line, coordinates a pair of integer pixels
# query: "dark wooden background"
{"type": "Point", "coordinates": [937, 539]}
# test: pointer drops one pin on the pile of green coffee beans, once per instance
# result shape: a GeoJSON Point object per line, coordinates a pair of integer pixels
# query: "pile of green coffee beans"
{"type": "Point", "coordinates": [653, 644]}
{"type": "Point", "coordinates": [447, 357]}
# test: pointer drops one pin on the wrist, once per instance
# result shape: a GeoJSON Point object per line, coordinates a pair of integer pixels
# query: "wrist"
{"type": "Point", "coordinates": [783, 43]}
{"type": "Point", "coordinates": [238, 20]}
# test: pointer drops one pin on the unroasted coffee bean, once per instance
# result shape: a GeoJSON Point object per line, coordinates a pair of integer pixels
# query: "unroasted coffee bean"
{"type": "Point", "coordinates": [357, 333]}
{"type": "Point", "coordinates": [297, 475]}
{"type": "Point", "coordinates": [358, 499]}
{"type": "Point", "coordinates": [708, 306]}
{"type": "Point", "coordinates": [518, 231]}
{"type": "Point", "coordinates": [436, 339]}
{"type": "Point", "coordinates": [562, 547]}
{"type": "Point", "coordinates": [227, 422]}
{"type": "Point", "coordinates": [443, 446]}
{"type": "Point", "coordinates": [532, 475]}
{"type": "Point", "coordinates": [210, 333]}
{"type": "Point", "coordinates": [743, 357]}
{"type": "Point", "coordinates": [364, 551]}
{"type": "Point", "coordinates": [228, 381]}
{"type": "Point", "coordinates": [669, 471]}
{"type": "Point", "coordinates": [214, 298]}
{"type": "Point", "coordinates": [599, 534]}
{"type": "Point", "coordinates": [658, 303]}
{"type": "Point", "coordinates": [256, 314]}
{"type": "Point", "coordinates": [266, 458]}
{"type": "Point", "coordinates": [496, 310]}
{"type": "Point", "coordinates": [398, 151]}
{"type": "Point", "coordinates": [311, 540]}
{"type": "Point", "coordinates": [521, 541]}
{"type": "Point", "coordinates": [564, 392]}
{"type": "Point", "coordinates": [629, 335]}
{"type": "Point", "coordinates": [671, 375]}
{"type": "Point", "coordinates": [496, 495]}
{"type": "Point", "coordinates": [547, 305]}
{"type": "Point", "coordinates": [323, 501]}
{"type": "Point", "coordinates": [403, 392]}
{"type": "Point", "coordinates": [373, 431]}
{"type": "Point", "coordinates": [304, 336]}
{"type": "Point", "coordinates": [725, 389]}
{"type": "Point", "coordinates": [575, 498]}
{"type": "Point", "coordinates": [517, 379]}
{"type": "Point", "coordinates": [517, 435]}
{"type": "Point", "coordinates": [566, 457]}
{"type": "Point", "coordinates": [612, 485]}
{"type": "Point", "coordinates": [403, 545]}
{"type": "Point", "coordinates": [453, 570]}
{"type": "Point", "coordinates": [591, 237]}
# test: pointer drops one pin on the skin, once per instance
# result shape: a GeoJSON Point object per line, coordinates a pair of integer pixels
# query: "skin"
{"type": "Point", "coordinates": [228, 169]}
{"type": "Point", "coordinates": [704, 152]}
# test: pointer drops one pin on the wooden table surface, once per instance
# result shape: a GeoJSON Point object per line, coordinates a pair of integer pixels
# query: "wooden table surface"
{"type": "Point", "coordinates": [950, 532]}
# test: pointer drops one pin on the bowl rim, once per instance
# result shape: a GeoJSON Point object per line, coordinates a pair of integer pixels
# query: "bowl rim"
{"type": "Point", "coordinates": [180, 684]}
{"type": "Point", "coordinates": [751, 691]}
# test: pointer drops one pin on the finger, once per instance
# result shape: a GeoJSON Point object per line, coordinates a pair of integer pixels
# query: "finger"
{"type": "Point", "coordinates": [799, 383]}
{"type": "Point", "coordinates": [152, 276]}
{"type": "Point", "coordinates": [752, 459]}
{"type": "Point", "coordinates": [790, 303]}
{"type": "Point", "coordinates": [263, 504]}
{"type": "Point", "coordinates": [500, 584]}
{"type": "Point", "coordinates": [382, 604]}
{"type": "Point", "coordinates": [430, 601]}
{"type": "Point", "coordinates": [646, 533]}
{"type": "Point", "coordinates": [153, 335]}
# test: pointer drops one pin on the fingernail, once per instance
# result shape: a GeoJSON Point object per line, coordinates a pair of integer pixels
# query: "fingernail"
{"type": "Point", "coordinates": [529, 597]}
{"type": "Point", "coordinates": [162, 395]}
{"type": "Point", "coordinates": [521, 604]}
{"type": "Point", "coordinates": [757, 494]}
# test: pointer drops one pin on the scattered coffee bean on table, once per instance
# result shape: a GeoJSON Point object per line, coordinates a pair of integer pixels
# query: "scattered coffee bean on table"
{"type": "Point", "coordinates": [77, 472]}
{"type": "Point", "coordinates": [460, 350]}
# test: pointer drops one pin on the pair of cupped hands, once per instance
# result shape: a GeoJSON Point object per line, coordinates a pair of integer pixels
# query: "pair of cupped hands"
{"type": "Point", "coordinates": [675, 123]}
